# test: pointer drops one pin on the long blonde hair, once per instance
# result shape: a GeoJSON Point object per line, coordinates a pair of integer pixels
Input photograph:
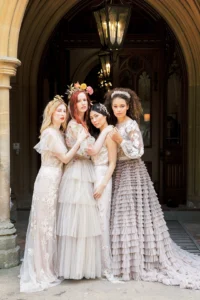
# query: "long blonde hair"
{"type": "Point", "coordinates": [48, 112]}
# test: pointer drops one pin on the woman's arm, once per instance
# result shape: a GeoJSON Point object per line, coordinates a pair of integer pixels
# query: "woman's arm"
{"type": "Point", "coordinates": [112, 158]}
{"type": "Point", "coordinates": [65, 158]}
{"type": "Point", "coordinates": [94, 149]}
{"type": "Point", "coordinates": [133, 147]}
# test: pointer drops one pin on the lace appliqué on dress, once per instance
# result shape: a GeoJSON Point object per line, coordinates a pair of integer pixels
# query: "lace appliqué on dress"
{"type": "Point", "coordinates": [132, 145]}
{"type": "Point", "coordinates": [38, 270]}
{"type": "Point", "coordinates": [71, 137]}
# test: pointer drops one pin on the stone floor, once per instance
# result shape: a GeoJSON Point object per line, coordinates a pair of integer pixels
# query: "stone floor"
{"type": "Point", "coordinates": [93, 289]}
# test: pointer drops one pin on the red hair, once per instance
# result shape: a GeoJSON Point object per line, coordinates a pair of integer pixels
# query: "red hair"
{"type": "Point", "coordinates": [74, 111]}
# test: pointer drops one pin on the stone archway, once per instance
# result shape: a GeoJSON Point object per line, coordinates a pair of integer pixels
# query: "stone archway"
{"type": "Point", "coordinates": [39, 21]}
{"type": "Point", "coordinates": [37, 27]}
{"type": "Point", "coordinates": [85, 67]}
{"type": "Point", "coordinates": [185, 23]}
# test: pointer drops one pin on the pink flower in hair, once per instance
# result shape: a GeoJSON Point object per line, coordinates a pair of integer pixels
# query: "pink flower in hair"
{"type": "Point", "coordinates": [77, 85]}
{"type": "Point", "coordinates": [90, 90]}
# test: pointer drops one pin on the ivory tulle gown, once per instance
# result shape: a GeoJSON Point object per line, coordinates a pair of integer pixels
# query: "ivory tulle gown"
{"type": "Point", "coordinates": [100, 162]}
{"type": "Point", "coordinates": [39, 269]}
{"type": "Point", "coordinates": [78, 227]}
{"type": "Point", "coordinates": [141, 246]}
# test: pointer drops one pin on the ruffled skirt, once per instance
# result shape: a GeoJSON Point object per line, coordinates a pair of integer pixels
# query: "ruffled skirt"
{"type": "Point", "coordinates": [141, 246]}
{"type": "Point", "coordinates": [78, 227]}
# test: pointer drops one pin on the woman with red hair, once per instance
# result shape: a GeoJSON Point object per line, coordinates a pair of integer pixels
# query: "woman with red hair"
{"type": "Point", "coordinates": [78, 228]}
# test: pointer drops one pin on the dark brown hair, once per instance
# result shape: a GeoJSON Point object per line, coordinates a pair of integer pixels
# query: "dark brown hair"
{"type": "Point", "coordinates": [135, 109]}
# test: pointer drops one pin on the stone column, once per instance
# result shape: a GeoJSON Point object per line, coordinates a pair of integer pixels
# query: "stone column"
{"type": "Point", "coordinates": [9, 251]}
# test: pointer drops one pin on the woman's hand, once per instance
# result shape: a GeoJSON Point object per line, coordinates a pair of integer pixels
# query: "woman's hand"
{"type": "Point", "coordinates": [115, 136]}
{"type": "Point", "coordinates": [98, 191]}
{"type": "Point", "coordinates": [82, 135]}
{"type": "Point", "coordinates": [90, 150]}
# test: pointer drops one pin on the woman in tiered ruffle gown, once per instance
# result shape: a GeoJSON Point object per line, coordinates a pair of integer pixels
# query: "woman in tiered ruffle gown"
{"type": "Point", "coordinates": [104, 165]}
{"type": "Point", "coordinates": [78, 227]}
{"type": "Point", "coordinates": [39, 269]}
{"type": "Point", "coordinates": [141, 246]}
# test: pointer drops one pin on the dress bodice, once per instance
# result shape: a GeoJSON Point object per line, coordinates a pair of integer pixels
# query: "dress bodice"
{"type": "Point", "coordinates": [101, 158]}
{"type": "Point", "coordinates": [132, 146]}
{"type": "Point", "coordinates": [49, 160]}
{"type": "Point", "coordinates": [71, 137]}
{"type": "Point", "coordinates": [51, 143]}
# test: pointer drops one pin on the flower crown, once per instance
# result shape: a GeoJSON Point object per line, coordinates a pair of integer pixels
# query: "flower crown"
{"type": "Point", "coordinates": [58, 98]}
{"type": "Point", "coordinates": [79, 87]}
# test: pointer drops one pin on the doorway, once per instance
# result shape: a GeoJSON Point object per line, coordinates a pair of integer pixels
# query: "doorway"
{"type": "Point", "coordinates": [152, 64]}
{"type": "Point", "coordinates": [159, 79]}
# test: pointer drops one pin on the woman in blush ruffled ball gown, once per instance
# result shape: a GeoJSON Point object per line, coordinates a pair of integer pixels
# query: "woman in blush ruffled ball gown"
{"type": "Point", "coordinates": [39, 269]}
{"type": "Point", "coordinates": [141, 246]}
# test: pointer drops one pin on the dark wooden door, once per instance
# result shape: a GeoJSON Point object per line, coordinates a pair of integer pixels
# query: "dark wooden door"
{"type": "Point", "coordinates": [140, 70]}
{"type": "Point", "coordinates": [143, 71]}
{"type": "Point", "coordinates": [175, 132]}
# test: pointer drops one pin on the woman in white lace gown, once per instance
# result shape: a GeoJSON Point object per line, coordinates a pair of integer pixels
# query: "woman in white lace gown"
{"type": "Point", "coordinates": [141, 246]}
{"type": "Point", "coordinates": [39, 270]}
{"type": "Point", "coordinates": [78, 226]}
{"type": "Point", "coordinates": [104, 165]}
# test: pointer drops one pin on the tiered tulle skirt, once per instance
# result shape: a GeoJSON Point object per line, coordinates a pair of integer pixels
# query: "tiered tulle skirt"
{"type": "Point", "coordinates": [141, 246]}
{"type": "Point", "coordinates": [78, 227]}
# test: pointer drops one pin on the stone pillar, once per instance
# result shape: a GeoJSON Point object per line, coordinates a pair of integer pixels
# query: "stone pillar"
{"type": "Point", "coordinates": [9, 251]}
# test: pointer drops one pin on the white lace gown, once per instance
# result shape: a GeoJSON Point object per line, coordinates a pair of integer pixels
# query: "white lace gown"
{"type": "Point", "coordinates": [78, 226]}
{"type": "Point", "coordinates": [39, 270]}
{"type": "Point", "coordinates": [100, 162]}
{"type": "Point", "coordinates": [141, 246]}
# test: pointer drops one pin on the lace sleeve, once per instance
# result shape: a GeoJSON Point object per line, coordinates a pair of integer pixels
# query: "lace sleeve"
{"type": "Point", "coordinates": [133, 146]}
{"type": "Point", "coordinates": [51, 141]}
{"type": "Point", "coordinates": [71, 133]}
{"type": "Point", "coordinates": [71, 138]}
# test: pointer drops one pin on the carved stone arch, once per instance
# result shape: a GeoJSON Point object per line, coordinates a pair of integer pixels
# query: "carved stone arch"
{"type": "Point", "coordinates": [39, 21]}
{"type": "Point", "coordinates": [85, 67]}
{"type": "Point", "coordinates": [44, 15]}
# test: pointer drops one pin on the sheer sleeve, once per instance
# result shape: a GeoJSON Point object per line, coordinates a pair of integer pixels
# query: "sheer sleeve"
{"type": "Point", "coordinates": [52, 141]}
{"type": "Point", "coordinates": [132, 145]}
{"type": "Point", "coordinates": [71, 137]}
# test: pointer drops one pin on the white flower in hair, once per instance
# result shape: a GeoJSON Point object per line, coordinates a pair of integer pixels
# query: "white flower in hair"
{"type": "Point", "coordinates": [103, 108]}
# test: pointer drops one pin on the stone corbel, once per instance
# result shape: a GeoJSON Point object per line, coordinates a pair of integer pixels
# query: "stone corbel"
{"type": "Point", "coordinates": [8, 68]}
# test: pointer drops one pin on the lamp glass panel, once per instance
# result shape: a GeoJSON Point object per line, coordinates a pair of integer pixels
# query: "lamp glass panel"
{"type": "Point", "coordinates": [121, 25]}
{"type": "Point", "coordinates": [100, 17]}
